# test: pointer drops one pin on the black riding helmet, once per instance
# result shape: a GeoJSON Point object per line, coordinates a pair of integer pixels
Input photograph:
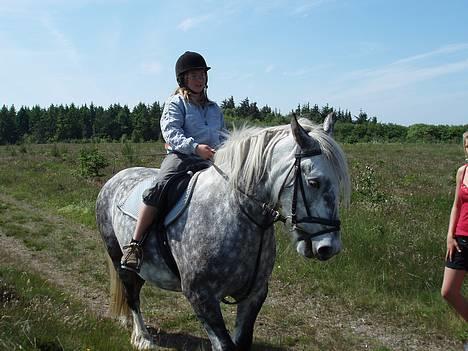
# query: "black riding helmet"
{"type": "Point", "coordinates": [189, 61]}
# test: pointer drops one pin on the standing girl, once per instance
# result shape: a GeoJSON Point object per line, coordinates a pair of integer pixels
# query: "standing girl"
{"type": "Point", "coordinates": [457, 243]}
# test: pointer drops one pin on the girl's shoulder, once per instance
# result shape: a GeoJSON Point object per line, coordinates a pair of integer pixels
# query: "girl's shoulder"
{"type": "Point", "coordinates": [175, 98]}
{"type": "Point", "coordinates": [462, 168]}
{"type": "Point", "coordinates": [461, 171]}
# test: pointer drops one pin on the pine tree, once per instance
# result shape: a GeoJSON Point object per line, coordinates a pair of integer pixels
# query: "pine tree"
{"type": "Point", "coordinates": [155, 113]}
{"type": "Point", "coordinates": [228, 103]}
{"type": "Point", "coordinates": [38, 124]}
{"type": "Point", "coordinates": [141, 122]}
{"type": "Point", "coordinates": [8, 131]}
{"type": "Point", "coordinates": [22, 122]}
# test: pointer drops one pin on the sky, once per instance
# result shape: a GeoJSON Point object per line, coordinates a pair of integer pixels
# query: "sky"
{"type": "Point", "coordinates": [405, 62]}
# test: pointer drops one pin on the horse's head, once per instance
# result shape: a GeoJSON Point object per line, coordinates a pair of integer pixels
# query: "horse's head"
{"type": "Point", "coordinates": [312, 174]}
{"type": "Point", "coordinates": [302, 173]}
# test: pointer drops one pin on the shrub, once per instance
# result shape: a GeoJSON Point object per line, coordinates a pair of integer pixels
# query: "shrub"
{"type": "Point", "coordinates": [366, 186]}
{"type": "Point", "coordinates": [92, 161]}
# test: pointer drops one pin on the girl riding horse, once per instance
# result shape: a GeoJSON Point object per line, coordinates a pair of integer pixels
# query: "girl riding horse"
{"type": "Point", "coordinates": [193, 127]}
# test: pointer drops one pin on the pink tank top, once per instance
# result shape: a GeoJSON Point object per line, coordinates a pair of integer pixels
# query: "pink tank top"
{"type": "Point", "coordinates": [462, 221]}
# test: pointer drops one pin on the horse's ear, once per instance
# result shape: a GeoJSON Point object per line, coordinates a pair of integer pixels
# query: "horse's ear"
{"type": "Point", "coordinates": [301, 137]}
{"type": "Point", "coordinates": [329, 123]}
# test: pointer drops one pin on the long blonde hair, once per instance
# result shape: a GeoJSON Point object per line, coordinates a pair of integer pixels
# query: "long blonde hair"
{"type": "Point", "coordinates": [186, 93]}
{"type": "Point", "coordinates": [465, 137]}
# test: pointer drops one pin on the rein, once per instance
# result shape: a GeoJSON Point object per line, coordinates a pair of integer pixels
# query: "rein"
{"type": "Point", "coordinates": [267, 211]}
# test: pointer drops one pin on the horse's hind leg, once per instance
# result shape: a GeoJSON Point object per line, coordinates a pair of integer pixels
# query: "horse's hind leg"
{"type": "Point", "coordinates": [247, 312]}
{"type": "Point", "coordinates": [131, 285]}
{"type": "Point", "coordinates": [141, 339]}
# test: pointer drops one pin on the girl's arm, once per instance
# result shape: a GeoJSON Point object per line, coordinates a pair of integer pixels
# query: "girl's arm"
{"type": "Point", "coordinates": [454, 213]}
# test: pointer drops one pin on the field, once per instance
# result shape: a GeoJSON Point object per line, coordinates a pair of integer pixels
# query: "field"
{"type": "Point", "coordinates": [381, 293]}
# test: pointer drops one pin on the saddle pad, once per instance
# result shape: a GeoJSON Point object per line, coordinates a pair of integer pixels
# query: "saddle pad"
{"type": "Point", "coordinates": [131, 205]}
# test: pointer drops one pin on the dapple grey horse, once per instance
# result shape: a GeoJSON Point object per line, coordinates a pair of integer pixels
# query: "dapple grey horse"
{"type": "Point", "coordinates": [223, 242]}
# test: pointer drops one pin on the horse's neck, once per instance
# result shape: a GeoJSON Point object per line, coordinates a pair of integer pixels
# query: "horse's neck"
{"type": "Point", "coordinates": [216, 188]}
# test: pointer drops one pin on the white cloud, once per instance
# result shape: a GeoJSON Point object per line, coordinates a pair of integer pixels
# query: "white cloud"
{"type": "Point", "coordinates": [306, 71]}
{"type": "Point", "coordinates": [192, 22]}
{"type": "Point", "coordinates": [60, 39]}
{"type": "Point", "coordinates": [269, 68]}
{"type": "Point", "coordinates": [152, 67]}
{"type": "Point", "coordinates": [304, 8]}
{"type": "Point", "coordinates": [443, 50]}
{"type": "Point", "coordinates": [401, 73]}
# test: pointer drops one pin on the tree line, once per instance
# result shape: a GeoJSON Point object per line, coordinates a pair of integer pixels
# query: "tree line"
{"type": "Point", "coordinates": [59, 123]}
{"type": "Point", "coordinates": [71, 123]}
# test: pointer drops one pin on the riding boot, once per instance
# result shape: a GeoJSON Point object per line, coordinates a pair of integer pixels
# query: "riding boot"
{"type": "Point", "coordinates": [132, 257]}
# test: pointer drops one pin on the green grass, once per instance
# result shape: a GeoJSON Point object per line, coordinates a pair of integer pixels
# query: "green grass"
{"type": "Point", "coordinates": [392, 262]}
{"type": "Point", "coordinates": [393, 235]}
{"type": "Point", "coordinates": [37, 316]}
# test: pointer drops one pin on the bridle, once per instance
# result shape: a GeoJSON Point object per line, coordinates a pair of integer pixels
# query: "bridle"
{"type": "Point", "coordinates": [273, 213]}
{"type": "Point", "coordinates": [333, 224]}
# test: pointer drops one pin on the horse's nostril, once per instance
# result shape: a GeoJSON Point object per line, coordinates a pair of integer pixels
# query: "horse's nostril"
{"type": "Point", "coordinates": [325, 252]}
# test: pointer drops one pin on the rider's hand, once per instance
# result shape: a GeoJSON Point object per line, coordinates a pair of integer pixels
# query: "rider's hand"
{"type": "Point", "coordinates": [205, 151]}
{"type": "Point", "coordinates": [452, 245]}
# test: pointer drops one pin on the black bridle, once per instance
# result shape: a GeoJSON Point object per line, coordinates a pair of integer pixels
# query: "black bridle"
{"type": "Point", "coordinates": [333, 224]}
{"type": "Point", "coordinates": [273, 213]}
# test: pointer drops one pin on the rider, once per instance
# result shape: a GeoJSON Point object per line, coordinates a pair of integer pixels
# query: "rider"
{"type": "Point", "coordinates": [193, 127]}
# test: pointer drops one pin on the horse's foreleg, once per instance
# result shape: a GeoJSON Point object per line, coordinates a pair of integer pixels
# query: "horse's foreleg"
{"type": "Point", "coordinates": [247, 312]}
{"type": "Point", "coordinates": [209, 313]}
{"type": "Point", "coordinates": [141, 339]}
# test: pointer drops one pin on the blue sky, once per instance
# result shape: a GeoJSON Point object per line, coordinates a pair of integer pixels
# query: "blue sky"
{"type": "Point", "coordinates": [405, 62]}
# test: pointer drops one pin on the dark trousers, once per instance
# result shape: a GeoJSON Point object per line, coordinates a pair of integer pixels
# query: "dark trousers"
{"type": "Point", "coordinates": [172, 180]}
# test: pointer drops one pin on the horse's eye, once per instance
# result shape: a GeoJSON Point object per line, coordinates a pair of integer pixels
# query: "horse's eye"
{"type": "Point", "coordinates": [314, 183]}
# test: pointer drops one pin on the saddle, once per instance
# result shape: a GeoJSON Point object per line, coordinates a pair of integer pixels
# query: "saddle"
{"type": "Point", "coordinates": [130, 206]}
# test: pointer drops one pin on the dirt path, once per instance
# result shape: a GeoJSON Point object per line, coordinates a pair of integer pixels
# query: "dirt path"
{"type": "Point", "coordinates": [325, 317]}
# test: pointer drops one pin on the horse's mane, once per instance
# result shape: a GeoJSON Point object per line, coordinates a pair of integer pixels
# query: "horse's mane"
{"type": "Point", "coordinates": [246, 155]}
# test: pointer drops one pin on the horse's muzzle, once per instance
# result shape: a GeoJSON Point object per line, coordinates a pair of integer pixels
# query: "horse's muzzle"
{"type": "Point", "coordinates": [322, 247]}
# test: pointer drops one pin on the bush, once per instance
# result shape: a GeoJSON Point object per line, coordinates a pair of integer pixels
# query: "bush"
{"type": "Point", "coordinates": [92, 161]}
{"type": "Point", "coordinates": [366, 186]}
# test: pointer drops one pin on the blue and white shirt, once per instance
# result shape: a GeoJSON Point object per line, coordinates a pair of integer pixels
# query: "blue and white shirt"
{"type": "Point", "coordinates": [184, 125]}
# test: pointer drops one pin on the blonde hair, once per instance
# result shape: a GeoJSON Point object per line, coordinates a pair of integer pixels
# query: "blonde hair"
{"type": "Point", "coordinates": [187, 95]}
{"type": "Point", "coordinates": [465, 137]}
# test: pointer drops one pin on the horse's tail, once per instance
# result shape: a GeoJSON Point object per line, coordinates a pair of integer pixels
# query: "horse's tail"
{"type": "Point", "coordinates": [118, 302]}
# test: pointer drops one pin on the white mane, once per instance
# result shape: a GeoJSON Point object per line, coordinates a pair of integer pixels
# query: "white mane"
{"type": "Point", "coordinates": [246, 155]}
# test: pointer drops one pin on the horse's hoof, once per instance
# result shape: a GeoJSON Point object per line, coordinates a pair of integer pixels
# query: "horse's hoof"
{"type": "Point", "coordinates": [143, 342]}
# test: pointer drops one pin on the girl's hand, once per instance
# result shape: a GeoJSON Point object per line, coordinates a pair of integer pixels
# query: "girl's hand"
{"type": "Point", "coordinates": [452, 245]}
{"type": "Point", "coordinates": [205, 151]}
